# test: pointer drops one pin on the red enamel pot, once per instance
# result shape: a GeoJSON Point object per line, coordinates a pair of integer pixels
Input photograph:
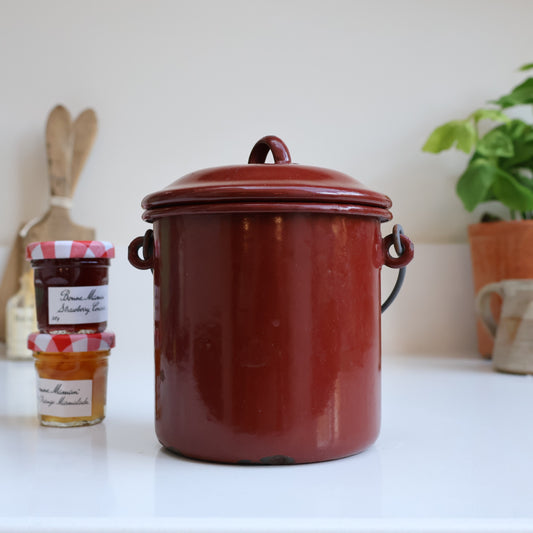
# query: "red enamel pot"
{"type": "Point", "coordinates": [267, 310]}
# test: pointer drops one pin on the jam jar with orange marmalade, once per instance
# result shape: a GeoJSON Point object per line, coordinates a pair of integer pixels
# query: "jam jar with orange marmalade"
{"type": "Point", "coordinates": [71, 282]}
{"type": "Point", "coordinates": [71, 377]}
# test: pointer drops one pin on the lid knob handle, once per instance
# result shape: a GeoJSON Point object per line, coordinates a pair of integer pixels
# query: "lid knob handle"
{"type": "Point", "coordinates": [271, 143]}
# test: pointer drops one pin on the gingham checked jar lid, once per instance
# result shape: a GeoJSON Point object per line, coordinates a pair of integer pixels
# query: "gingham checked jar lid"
{"type": "Point", "coordinates": [73, 343]}
{"type": "Point", "coordinates": [70, 250]}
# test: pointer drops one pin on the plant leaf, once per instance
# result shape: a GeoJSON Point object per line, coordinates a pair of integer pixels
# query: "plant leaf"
{"type": "Point", "coordinates": [523, 180]}
{"type": "Point", "coordinates": [512, 193]}
{"type": "Point", "coordinates": [466, 137]}
{"type": "Point", "coordinates": [496, 143]}
{"type": "Point", "coordinates": [475, 183]}
{"type": "Point", "coordinates": [459, 132]}
{"type": "Point", "coordinates": [523, 156]}
{"type": "Point", "coordinates": [527, 66]}
{"type": "Point", "coordinates": [504, 101]}
{"type": "Point", "coordinates": [517, 128]}
{"type": "Point", "coordinates": [521, 135]}
{"type": "Point", "coordinates": [521, 94]}
{"type": "Point", "coordinates": [490, 114]}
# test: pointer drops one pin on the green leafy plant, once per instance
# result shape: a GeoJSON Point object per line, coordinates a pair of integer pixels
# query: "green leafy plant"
{"type": "Point", "coordinates": [501, 165]}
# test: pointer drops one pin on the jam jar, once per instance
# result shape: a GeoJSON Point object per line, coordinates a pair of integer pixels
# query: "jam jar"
{"type": "Point", "coordinates": [71, 377]}
{"type": "Point", "coordinates": [71, 285]}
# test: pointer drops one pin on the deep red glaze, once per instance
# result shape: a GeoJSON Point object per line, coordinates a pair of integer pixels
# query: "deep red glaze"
{"type": "Point", "coordinates": [267, 335]}
{"type": "Point", "coordinates": [267, 207]}
{"type": "Point", "coordinates": [288, 182]}
{"type": "Point", "coordinates": [72, 272]}
{"type": "Point", "coordinates": [267, 310]}
{"type": "Point", "coordinates": [269, 143]}
{"type": "Point", "coordinates": [259, 182]}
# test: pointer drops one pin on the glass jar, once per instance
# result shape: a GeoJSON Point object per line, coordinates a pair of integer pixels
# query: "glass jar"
{"type": "Point", "coordinates": [20, 319]}
{"type": "Point", "coordinates": [71, 377]}
{"type": "Point", "coordinates": [71, 282]}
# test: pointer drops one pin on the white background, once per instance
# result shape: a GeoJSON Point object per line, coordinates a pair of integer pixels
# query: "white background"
{"type": "Point", "coordinates": [182, 85]}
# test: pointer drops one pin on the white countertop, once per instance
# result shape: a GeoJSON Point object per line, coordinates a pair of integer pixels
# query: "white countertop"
{"type": "Point", "coordinates": [455, 454]}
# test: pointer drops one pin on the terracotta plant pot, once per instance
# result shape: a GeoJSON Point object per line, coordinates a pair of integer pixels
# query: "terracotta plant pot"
{"type": "Point", "coordinates": [499, 250]}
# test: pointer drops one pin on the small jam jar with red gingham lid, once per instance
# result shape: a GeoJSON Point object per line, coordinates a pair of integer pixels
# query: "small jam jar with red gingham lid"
{"type": "Point", "coordinates": [71, 377]}
{"type": "Point", "coordinates": [71, 282]}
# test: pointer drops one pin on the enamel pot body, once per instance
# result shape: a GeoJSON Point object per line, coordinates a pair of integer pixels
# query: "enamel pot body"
{"type": "Point", "coordinates": [267, 327]}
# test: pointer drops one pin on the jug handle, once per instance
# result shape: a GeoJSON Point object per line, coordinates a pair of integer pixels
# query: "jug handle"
{"type": "Point", "coordinates": [405, 251]}
{"type": "Point", "coordinates": [483, 309]}
{"type": "Point", "coordinates": [145, 242]}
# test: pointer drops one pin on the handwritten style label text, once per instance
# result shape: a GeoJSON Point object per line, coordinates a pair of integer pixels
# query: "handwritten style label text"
{"type": "Point", "coordinates": [65, 399]}
{"type": "Point", "coordinates": [77, 305]}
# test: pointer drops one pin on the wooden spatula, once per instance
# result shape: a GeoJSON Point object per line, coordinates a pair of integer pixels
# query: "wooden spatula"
{"type": "Point", "coordinates": [84, 129]}
{"type": "Point", "coordinates": [67, 146]}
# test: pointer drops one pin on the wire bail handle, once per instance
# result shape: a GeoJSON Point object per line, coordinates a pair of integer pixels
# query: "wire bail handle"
{"type": "Point", "coordinates": [405, 251]}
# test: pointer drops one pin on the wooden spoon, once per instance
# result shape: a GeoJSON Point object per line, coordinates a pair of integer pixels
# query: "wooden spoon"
{"type": "Point", "coordinates": [67, 146]}
{"type": "Point", "coordinates": [84, 129]}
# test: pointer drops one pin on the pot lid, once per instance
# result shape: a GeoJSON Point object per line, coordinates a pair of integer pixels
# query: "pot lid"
{"type": "Point", "coordinates": [281, 182]}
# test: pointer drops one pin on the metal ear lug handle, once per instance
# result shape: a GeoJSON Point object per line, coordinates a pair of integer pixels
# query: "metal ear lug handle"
{"type": "Point", "coordinates": [404, 249]}
{"type": "Point", "coordinates": [145, 242]}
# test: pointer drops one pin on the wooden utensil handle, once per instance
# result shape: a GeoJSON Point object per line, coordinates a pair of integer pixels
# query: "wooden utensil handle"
{"type": "Point", "coordinates": [59, 146]}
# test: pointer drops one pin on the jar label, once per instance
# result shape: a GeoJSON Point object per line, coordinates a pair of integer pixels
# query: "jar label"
{"type": "Point", "coordinates": [77, 305]}
{"type": "Point", "coordinates": [65, 399]}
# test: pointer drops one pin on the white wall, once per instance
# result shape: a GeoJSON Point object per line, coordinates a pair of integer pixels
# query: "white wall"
{"type": "Point", "coordinates": [180, 85]}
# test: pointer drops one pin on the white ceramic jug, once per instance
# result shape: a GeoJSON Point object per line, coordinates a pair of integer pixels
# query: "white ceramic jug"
{"type": "Point", "coordinates": [513, 334]}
